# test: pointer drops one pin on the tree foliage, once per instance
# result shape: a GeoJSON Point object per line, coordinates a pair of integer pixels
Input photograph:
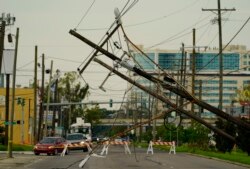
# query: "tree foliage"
{"type": "Point", "coordinates": [194, 135]}
{"type": "Point", "coordinates": [224, 144]}
{"type": "Point", "coordinates": [243, 139]}
{"type": "Point", "coordinates": [243, 95]}
{"type": "Point", "coordinates": [71, 90]}
{"type": "Point", "coordinates": [93, 115]}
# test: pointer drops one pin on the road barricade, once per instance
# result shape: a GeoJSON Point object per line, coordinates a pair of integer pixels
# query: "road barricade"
{"type": "Point", "coordinates": [171, 144]}
{"type": "Point", "coordinates": [75, 145]}
{"type": "Point", "coordinates": [106, 145]}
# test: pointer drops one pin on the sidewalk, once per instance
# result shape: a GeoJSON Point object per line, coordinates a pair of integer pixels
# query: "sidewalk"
{"type": "Point", "coordinates": [4, 154]}
{"type": "Point", "coordinates": [20, 158]}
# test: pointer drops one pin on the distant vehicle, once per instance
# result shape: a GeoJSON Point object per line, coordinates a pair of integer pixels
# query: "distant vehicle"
{"type": "Point", "coordinates": [99, 138]}
{"type": "Point", "coordinates": [120, 139]}
{"type": "Point", "coordinates": [78, 141]}
{"type": "Point", "coordinates": [50, 145]}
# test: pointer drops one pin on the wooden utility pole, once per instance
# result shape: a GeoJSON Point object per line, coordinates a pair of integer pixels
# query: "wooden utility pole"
{"type": "Point", "coordinates": [35, 138]}
{"type": "Point", "coordinates": [41, 109]}
{"type": "Point", "coordinates": [48, 101]}
{"type": "Point", "coordinates": [183, 72]}
{"type": "Point", "coordinates": [200, 96]}
{"type": "Point", "coordinates": [220, 106]}
{"type": "Point", "coordinates": [193, 70]}
{"type": "Point", "coordinates": [10, 142]}
{"type": "Point", "coordinates": [2, 43]}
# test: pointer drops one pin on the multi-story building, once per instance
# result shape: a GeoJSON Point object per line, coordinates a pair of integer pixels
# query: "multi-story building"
{"type": "Point", "coordinates": [26, 114]}
{"type": "Point", "coordinates": [235, 74]}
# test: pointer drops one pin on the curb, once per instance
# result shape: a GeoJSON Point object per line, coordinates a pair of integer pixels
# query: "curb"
{"type": "Point", "coordinates": [214, 158]}
{"type": "Point", "coordinates": [17, 152]}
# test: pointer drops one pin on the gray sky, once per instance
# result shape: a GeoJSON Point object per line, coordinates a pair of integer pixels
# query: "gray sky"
{"type": "Point", "coordinates": [163, 24]}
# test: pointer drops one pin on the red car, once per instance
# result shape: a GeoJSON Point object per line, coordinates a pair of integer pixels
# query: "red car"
{"type": "Point", "coordinates": [50, 145]}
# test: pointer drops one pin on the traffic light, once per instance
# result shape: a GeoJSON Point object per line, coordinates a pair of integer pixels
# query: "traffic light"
{"type": "Point", "coordinates": [110, 103]}
{"type": "Point", "coordinates": [21, 101]}
{"type": "Point", "coordinates": [19, 122]}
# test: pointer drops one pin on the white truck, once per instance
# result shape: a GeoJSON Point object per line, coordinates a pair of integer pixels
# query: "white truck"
{"type": "Point", "coordinates": [81, 127]}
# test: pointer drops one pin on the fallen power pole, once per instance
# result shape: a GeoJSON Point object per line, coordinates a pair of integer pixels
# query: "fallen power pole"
{"type": "Point", "coordinates": [179, 91]}
{"type": "Point", "coordinates": [165, 100]}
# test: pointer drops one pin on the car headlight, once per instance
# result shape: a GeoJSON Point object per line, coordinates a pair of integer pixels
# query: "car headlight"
{"type": "Point", "coordinates": [82, 142]}
{"type": "Point", "coordinates": [35, 147]}
{"type": "Point", "coordinates": [51, 147]}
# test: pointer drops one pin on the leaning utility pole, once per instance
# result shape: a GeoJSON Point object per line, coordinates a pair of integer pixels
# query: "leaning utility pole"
{"type": "Point", "coordinates": [179, 91]}
{"type": "Point", "coordinates": [164, 99]}
{"type": "Point", "coordinates": [220, 52]}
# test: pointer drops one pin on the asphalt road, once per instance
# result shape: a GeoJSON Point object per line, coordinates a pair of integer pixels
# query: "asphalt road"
{"type": "Point", "coordinates": [116, 159]}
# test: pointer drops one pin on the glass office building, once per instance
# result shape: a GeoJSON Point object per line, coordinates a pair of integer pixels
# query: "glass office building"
{"type": "Point", "coordinates": [210, 61]}
{"type": "Point", "coordinates": [207, 74]}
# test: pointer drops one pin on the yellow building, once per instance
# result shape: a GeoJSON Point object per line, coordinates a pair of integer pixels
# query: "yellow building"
{"type": "Point", "coordinates": [28, 111]}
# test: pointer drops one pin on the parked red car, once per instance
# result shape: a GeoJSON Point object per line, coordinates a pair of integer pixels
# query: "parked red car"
{"type": "Point", "coordinates": [50, 145]}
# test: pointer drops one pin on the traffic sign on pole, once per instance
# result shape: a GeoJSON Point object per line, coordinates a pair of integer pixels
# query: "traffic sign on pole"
{"type": "Point", "coordinates": [9, 123]}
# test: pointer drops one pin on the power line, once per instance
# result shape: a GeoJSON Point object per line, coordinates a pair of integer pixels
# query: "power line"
{"type": "Point", "coordinates": [227, 43]}
{"type": "Point", "coordinates": [85, 14]}
{"type": "Point", "coordinates": [148, 21]}
{"type": "Point", "coordinates": [178, 34]}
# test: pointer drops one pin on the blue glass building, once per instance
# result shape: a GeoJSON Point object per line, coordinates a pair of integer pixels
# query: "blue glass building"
{"type": "Point", "coordinates": [207, 71]}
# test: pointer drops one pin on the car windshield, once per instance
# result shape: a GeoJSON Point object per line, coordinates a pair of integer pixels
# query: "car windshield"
{"type": "Point", "coordinates": [48, 140]}
{"type": "Point", "coordinates": [75, 137]}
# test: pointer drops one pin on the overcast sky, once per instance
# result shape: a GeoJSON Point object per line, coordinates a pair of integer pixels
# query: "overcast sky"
{"type": "Point", "coordinates": [163, 24]}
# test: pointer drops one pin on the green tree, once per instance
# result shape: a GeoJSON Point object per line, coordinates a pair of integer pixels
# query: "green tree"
{"type": "Point", "coordinates": [196, 135]}
{"type": "Point", "coordinates": [93, 115]}
{"type": "Point", "coordinates": [243, 139]}
{"type": "Point", "coordinates": [224, 144]}
{"type": "Point", "coordinates": [71, 90]}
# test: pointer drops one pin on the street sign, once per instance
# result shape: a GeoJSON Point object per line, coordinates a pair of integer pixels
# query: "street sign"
{"type": "Point", "coordinates": [9, 123]}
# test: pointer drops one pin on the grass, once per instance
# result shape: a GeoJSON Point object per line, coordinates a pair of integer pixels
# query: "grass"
{"type": "Point", "coordinates": [235, 156]}
{"type": "Point", "coordinates": [17, 147]}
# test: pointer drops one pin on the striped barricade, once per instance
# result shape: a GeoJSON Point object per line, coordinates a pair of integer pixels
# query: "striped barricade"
{"type": "Point", "coordinates": [69, 146]}
{"type": "Point", "coordinates": [106, 145]}
{"type": "Point", "coordinates": [171, 144]}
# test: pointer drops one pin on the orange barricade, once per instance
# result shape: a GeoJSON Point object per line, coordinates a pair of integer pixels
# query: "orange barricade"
{"type": "Point", "coordinates": [106, 145]}
{"type": "Point", "coordinates": [171, 144]}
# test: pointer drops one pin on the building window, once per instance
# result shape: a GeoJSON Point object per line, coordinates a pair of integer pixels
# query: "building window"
{"type": "Point", "coordinates": [210, 61]}
{"type": "Point", "coordinates": [170, 60]}
{"type": "Point", "coordinates": [145, 62]}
